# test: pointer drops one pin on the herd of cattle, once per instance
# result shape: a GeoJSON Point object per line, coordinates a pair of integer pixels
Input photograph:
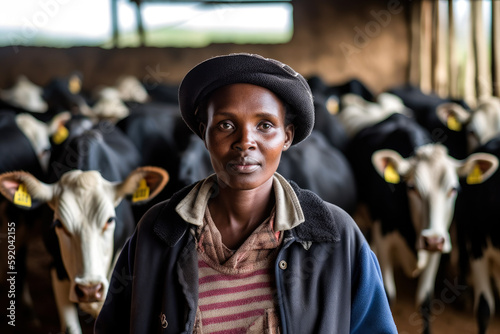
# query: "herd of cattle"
{"type": "Point", "coordinates": [85, 167]}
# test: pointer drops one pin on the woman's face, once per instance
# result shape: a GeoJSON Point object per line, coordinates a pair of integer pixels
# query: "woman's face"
{"type": "Point", "coordinates": [245, 134]}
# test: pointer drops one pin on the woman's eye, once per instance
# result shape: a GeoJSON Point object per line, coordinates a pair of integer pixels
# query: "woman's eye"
{"type": "Point", "coordinates": [266, 126]}
{"type": "Point", "coordinates": [226, 125]}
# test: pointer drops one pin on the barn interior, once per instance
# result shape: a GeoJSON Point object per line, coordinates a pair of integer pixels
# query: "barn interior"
{"type": "Point", "coordinates": [319, 30]}
{"type": "Point", "coordinates": [384, 44]}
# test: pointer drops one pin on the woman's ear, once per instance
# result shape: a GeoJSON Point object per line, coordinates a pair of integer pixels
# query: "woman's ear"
{"type": "Point", "coordinates": [289, 133]}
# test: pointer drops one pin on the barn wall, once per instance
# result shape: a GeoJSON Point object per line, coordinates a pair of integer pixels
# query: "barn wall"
{"type": "Point", "coordinates": [336, 40]}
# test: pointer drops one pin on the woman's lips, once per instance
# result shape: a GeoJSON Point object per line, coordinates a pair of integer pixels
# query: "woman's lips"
{"type": "Point", "coordinates": [244, 165]}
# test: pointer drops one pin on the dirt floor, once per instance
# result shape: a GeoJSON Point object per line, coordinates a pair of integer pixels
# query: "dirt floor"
{"type": "Point", "coordinates": [451, 309]}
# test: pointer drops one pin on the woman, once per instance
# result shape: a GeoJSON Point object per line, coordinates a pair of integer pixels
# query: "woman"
{"type": "Point", "coordinates": [246, 251]}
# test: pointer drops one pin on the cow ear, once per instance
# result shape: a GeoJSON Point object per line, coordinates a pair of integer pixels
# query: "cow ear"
{"type": "Point", "coordinates": [453, 115]}
{"type": "Point", "coordinates": [25, 190]}
{"type": "Point", "coordinates": [478, 167]}
{"type": "Point", "coordinates": [390, 165]}
{"type": "Point", "coordinates": [142, 184]}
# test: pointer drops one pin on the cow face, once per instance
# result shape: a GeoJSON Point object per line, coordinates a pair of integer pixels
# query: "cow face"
{"type": "Point", "coordinates": [109, 105]}
{"type": "Point", "coordinates": [358, 114]}
{"type": "Point", "coordinates": [432, 179]}
{"type": "Point", "coordinates": [482, 124]}
{"type": "Point", "coordinates": [84, 219]}
{"type": "Point", "coordinates": [38, 133]}
{"type": "Point", "coordinates": [131, 89]}
{"type": "Point", "coordinates": [26, 95]}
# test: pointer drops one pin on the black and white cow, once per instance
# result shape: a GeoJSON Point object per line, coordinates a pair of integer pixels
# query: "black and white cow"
{"type": "Point", "coordinates": [90, 231]}
{"type": "Point", "coordinates": [24, 145]}
{"type": "Point", "coordinates": [112, 102]}
{"type": "Point", "coordinates": [483, 123]}
{"type": "Point", "coordinates": [477, 214]}
{"type": "Point", "coordinates": [153, 124]}
{"type": "Point", "coordinates": [315, 165]}
{"type": "Point", "coordinates": [195, 163]}
{"type": "Point", "coordinates": [160, 135]}
{"type": "Point", "coordinates": [464, 130]}
{"type": "Point", "coordinates": [24, 95]}
{"type": "Point", "coordinates": [161, 92]}
{"type": "Point", "coordinates": [17, 153]}
{"type": "Point", "coordinates": [327, 99]}
{"type": "Point", "coordinates": [85, 189]}
{"type": "Point", "coordinates": [28, 99]}
{"type": "Point", "coordinates": [109, 105]}
{"type": "Point", "coordinates": [65, 94]}
{"type": "Point", "coordinates": [131, 89]}
{"type": "Point", "coordinates": [409, 185]}
{"type": "Point", "coordinates": [444, 118]}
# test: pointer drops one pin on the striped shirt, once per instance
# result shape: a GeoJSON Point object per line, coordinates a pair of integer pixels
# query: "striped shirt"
{"type": "Point", "coordinates": [236, 288]}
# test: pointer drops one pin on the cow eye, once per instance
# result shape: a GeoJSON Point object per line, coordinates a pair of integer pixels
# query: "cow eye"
{"type": "Point", "coordinates": [411, 187]}
{"type": "Point", "coordinates": [57, 224]}
{"type": "Point", "coordinates": [452, 191]}
{"type": "Point", "coordinates": [109, 223]}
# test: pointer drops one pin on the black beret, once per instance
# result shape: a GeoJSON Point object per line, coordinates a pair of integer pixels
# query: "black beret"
{"type": "Point", "coordinates": [220, 71]}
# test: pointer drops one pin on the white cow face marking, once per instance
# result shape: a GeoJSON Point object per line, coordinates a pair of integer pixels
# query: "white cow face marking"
{"type": "Point", "coordinates": [109, 105]}
{"type": "Point", "coordinates": [432, 184]}
{"type": "Point", "coordinates": [84, 212]}
{"type": "Point", "coordinates": [38, 134]}
{"type": "Point", "coordinates": [131, 89]}
{"type": "Point", "coordinates": [484, 123]}
{"type": "Point", "coordinates": [357, 113]}
{"type": "Point", "coordinates": [26, 95]}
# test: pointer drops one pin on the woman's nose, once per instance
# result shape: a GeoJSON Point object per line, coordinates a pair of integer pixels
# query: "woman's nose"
{"type": "Point", "coordinates": [245, 140]}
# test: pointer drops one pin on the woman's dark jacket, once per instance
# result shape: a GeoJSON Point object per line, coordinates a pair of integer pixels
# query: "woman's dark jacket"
{"type": "Point", "coordinates": [327, 278]}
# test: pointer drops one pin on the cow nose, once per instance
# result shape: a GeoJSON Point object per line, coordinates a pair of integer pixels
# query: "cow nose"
{"type": "Point", "coordinates": [89, 293]}
{"type": "Point", "coordinates": [432, 243]}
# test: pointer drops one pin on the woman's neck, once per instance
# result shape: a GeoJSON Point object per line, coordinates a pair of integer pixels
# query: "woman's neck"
{"type": "Point", "coordinates": [237, 213]}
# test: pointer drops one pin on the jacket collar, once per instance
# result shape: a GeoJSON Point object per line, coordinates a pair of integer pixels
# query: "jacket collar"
{"type": "Point", "coordinates": [287, 207]}
{"type": "Point", "coordinates": [318, 222]}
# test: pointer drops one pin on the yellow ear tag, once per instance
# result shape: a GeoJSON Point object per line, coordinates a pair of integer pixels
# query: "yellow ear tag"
{"type": "Point", "coordinates": [61, 134]}
{"type": "Point", "coordinates": [453, 123]}
{"type": "Point", "coordinates": [390, 174]}
{"type": "Point", "coordinates": [142, 193]}
{"type": "Point", "coordinates": [476, 176]}
{"type": "Point", "coordinates": [21, 197]}
{"type": "Point", "coordinates": [74, 85]}
{"type": "Point", "coordinates": [332, 105]}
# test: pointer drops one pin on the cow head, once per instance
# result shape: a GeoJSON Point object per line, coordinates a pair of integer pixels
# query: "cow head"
{"type": "Point", "coordinates": [38, 133]}
{"type": "Point", "coordinates": [84, 219]}
{"type": "Point", "coordinates": [109, 105]}
{"type": "Point", "coordinates": [432, 180]}
{"type": "Point", "coordinates": [358, 114]}
{"type": "Point", "coordinates": [131, 89]}
{"type": "Point", "coordinates": [482, 124]}
{"type": "Point", "coordinates": [26, 95]}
